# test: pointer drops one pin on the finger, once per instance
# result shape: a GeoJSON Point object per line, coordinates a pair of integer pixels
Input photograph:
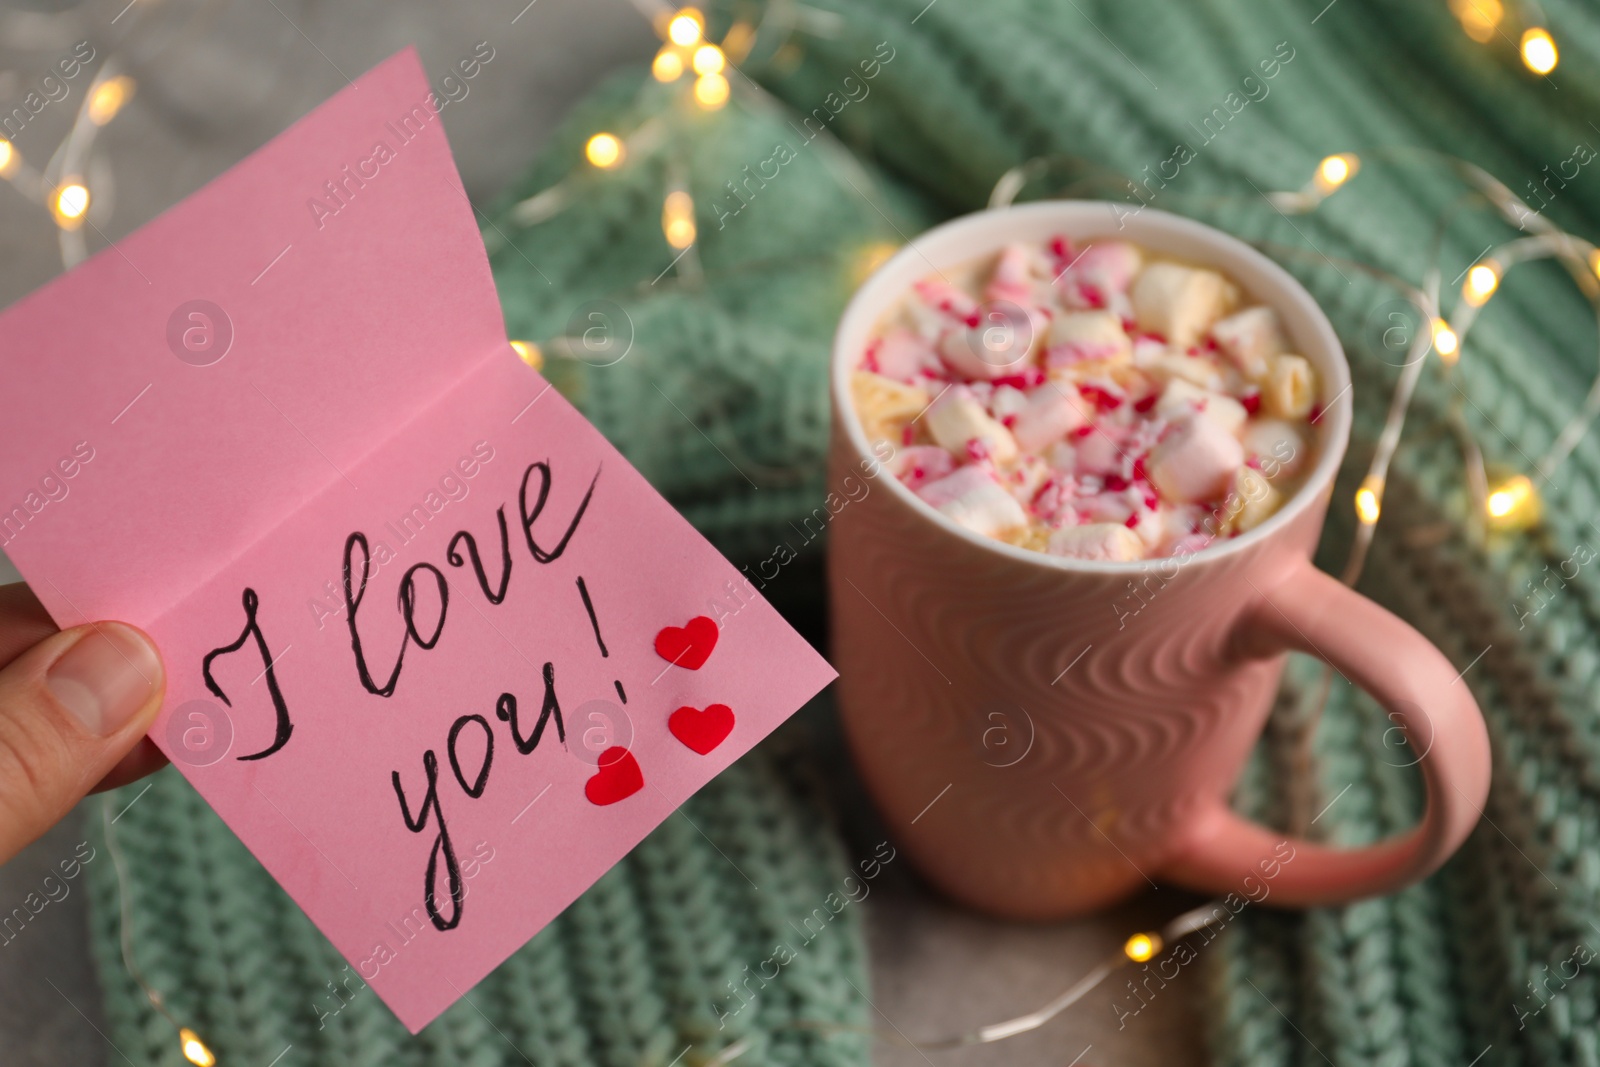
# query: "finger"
{"type": "Point", "coordinates": [23, 621]}
{"type": "Point", "coordinates": [71, 707]}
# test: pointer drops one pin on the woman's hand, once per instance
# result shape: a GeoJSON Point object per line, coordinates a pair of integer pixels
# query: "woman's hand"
{"type": "Point", "coordinates": [74, 708]}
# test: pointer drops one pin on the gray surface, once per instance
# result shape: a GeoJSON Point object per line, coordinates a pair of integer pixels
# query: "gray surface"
{"type": "Point", "coordinates": [246, 72]}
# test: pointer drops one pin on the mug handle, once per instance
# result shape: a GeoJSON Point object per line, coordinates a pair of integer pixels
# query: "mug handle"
{"type": "Point", "coordinates": [1308, 611]}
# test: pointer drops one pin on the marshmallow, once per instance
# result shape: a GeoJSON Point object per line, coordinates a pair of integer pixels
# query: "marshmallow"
{"type": "Point", "coordinates": [1062, 456]}
{"type": "Point", "coordinates": [1049, 414]}
{"type": "Point", "coordinates": [1250, 338]}
{"type": "Point", "coordinates": [1107, 542]}
{"type": "Point", "coordinates": [1083, 336]}
{"type": "Point", "coordinates": [1290, 387]}
{"type": "Point", "coordinates": [905, 357]}
{"type": "Point", "coordinates": [1013, 276]}
{"type": "Point", "coordinates": [918, 465]}
{"type": "Point", "coordinates": [884, 405]}
{"type": "Point", "coordinates": [1180, 398]}
{"type": "Point", "coordinates": [956, 417]}
{"type": "Point", "coordinates": [1109, 264]}
{"type": "Point", "coordinates": [1193, 369]}
{"type": "Point", "coordinates": [1150, 527]}
{"type": "Point", "coordinates": [1107, 506]}
{"type": "Point", "coordinates": [1099, 451]}
{"type": "Point", "coordinates": [1276, 445]}
{"type": "Point", "coordinates": [1007, 402]}
{"type": "Point", "coordinates": [1100, 276]}
{"type": "Point", "coordinates": [1252, 501]}
{"type": "Point", "coordinates": [1196, 461]}
{"type": "Point", "coordinates": [1180, 303]}
{"type": "Point", "coordinates": [976, 501]}
{"type": "Point", "coordinates": [941, 296]}
{"type": "Point", "coordinates": [1001, 344]}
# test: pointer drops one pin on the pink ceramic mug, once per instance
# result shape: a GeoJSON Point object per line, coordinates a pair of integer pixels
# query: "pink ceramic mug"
{"type": "Point", "coordinates": [1128, 728]}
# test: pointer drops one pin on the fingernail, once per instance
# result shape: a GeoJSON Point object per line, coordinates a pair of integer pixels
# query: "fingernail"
{"type": "Point", "coordinates": [106, 677]}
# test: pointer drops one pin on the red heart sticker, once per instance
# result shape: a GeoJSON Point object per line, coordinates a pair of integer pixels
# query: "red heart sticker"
{"type": "Point", "coordinates": [688, 645]}
{"type": "Point", "coordinates": [702, 730]}
{"type": "Point", "coordinates": [617, 779]}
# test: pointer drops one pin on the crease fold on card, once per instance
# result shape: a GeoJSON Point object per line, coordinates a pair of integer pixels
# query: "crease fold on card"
{"type": "Point", "coordinates": [407, 597]}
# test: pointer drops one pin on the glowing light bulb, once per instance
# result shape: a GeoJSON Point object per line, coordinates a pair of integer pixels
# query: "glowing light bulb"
{"type": "Point", "coordinates": [108, 98]}
{"type": "Point", "coordinates": [684, 29]}
{"type": "Point", "coordinates": [604, 151]}
{"type": "Point", "coordinates": [1445, 341]}
{"type": "Point", "coordinates": [1479, 18]}
{"type": "Point", "coordinates": [194, 1050]}
{"type": "Point", "coordinates": [529, 353]}
{"type": "Point", "coordinates": [1482, 280]}
{"type": "Point", "coordinates": [1369, 501]}
{"type": "Point", "coordinates": [70, 204]}
{"type": "Point", "coordinates": [1334, 171]}
{"type": "Point", "coordinates": [1513, 504]}
{"type": "Point", "coordinates": [1141, 947]}
{"type": "Point", "coordinates": [677, 219]}
{"type": "Point", "coordinates": [1539, 52]}
{"type": "Point", "coordinates": [668, 66]}
{"type": "Point", "coordinates": [711, 91]}
{"type": "Point", "coordinates": [708, 59]}
{"type": "Point", "coordinates": [737, 41]}
{"type": "Point", "coordinates": [10, 158]}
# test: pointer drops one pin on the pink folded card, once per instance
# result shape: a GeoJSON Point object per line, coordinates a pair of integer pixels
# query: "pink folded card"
{"type": "Point", "coordinates": [435, 651]}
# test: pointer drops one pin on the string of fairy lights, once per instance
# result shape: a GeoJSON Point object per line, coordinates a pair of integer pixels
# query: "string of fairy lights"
{"type": "Point", "coordinates": [60, 186]}
{"type": "Point", "coordinates": [687, 58]}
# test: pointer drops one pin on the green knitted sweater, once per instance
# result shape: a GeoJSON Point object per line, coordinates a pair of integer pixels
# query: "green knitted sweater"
{"type": "Point", "coordinates": [721, 402]}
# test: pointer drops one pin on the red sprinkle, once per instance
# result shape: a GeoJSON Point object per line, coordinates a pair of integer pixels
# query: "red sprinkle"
{"type": "Point", "coordinates": [1025, 380]}
{"type": "Point", "coordinates": [1008, 421]}
{"type": "Point", "coordinates": [1211, 344]}
{"type": "Point", "coordinates": [1104, 400]}
{"type": "Point", "coordinates": [1131, 522]}
{"type": "Point", "coordinates": [1251, 403]}
{"type": "Point", "coordinates": [907, 435]}
{"type": "Point", "coordinates": [1314, 414]}
{"type": "Point", "coordinates": [1061, 248]}
{"type": "Point", "coordinates": [1128, 325]}
{"type": "Point", "coordinates": [1092, 295]}
{"type": "Point", "coordinates": [1138, 469]}
{"type": "Point", "coordinates": [1083, 431]}
{"type": "Point", "coordinates": [1145, 403]}
{"type": "Point", "coordinates": [1115, 483]}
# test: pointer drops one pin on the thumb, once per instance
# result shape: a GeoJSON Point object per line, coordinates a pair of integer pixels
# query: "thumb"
{"type": "Point", "coordinates": [70, 708]}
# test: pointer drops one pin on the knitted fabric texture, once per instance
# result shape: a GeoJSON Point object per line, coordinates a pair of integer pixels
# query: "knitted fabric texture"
{"type": "Point", "coordinates": [721, 402]}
